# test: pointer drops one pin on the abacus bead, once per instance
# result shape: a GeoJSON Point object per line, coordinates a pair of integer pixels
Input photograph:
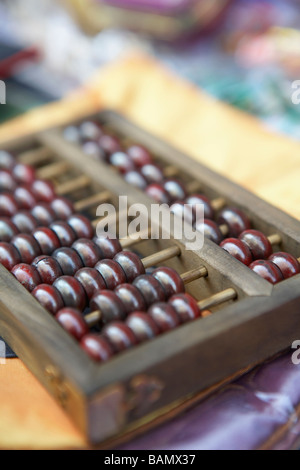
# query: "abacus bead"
{"type": "Point", "coordinates": [64, 232]}
{"type": "Point", "coordinates": [71, 291]}
{"type": "Point", "coordinates": [288, 264]}
{"type": "Point", "coordinates": [24, 174]}
{"type": "Point", "coordinates": [8, 205]}
{"type": "Point", "coordinates": [150, 289]}
{"type": "Point", "coordinates": [9, 255]}
{"type": "Point", "coordinates": [122, 162]}
{"type": "Point", "coordinates": [7, 182]}
{"type": "Point", "coordinates": [27, 246]}
{"type": "Point", "coordinates": [68, 260]}
{"type": "Point", "coordinates": [175, 189]}
{"type": "Point", "coordinates": [24, 221]}
{"type": "Point", "coordinates": [238, 250]}
{"type": "Point", "coordinates": [200, 199]}
{"type": "Point", "coordinates": [111, 272]}
{"type": "Point", "coordinates": [131, 265]}
{"type": "Point", "coordinates": [93, 150]}
{"type": "Point", "coordinates": [88, 251]}
{"type": "Point", "coordinates": [236, 221]}
{"type": "Point", "coordinates": [48, 268]}
{"type": "Point", "coordinates": [73, 322]}
{"type": "Point", "coordinates": [89, 130]}
{"type": "Point", "coordinates": [91, 281]}
{"type": "Point", "coordinates": [24, 198]}
{"type": "Point", "coordinates": [180, 209]}
{"type": "Point", "coordinates": [109, 304]}
{"type": "Point", "coordinates": [27, 275]}
{"type": "Point", "coordinates": [97, 347]}
{"type": "Point", "coordinates": [109, 144]}
{"type": "Point", "coordinates": [109, 247]}
{"type": "Point", "coordinates": [169, 280]}
{"type": "Point", "coordinates": [152, 173]}
{"type": "Point", "coordinates": [71, 134]}
{"type": "Point", "coordinates": [164, 315]}
{"type": "Point", "coordinates": [62, 207]}
{"type": "Point", "coordinates": [136, 179]}
{"type": "Point", "coordinates": [158, 193]}
{"type": "Point", "coordinates": [7, 160]}
{"type": "Point", "coordinates": [267, 270]}
{"type": "Point", "coordinates": [143, 326]}
{"type": "Point", "coordinates": [210, 230]}
{"type": "Point", "coordinates": [81, 226]}
{"type": "Point", "coordinates": [7, 229]}
{"type": "Point", "coordinates": [49, 298]}
{"type": "Point", "coordinates": [43, 190]}
{"type": "Point", "coordinates": [186, 307]}
{"type": "Point", "coordinates": [120, 336]}
{"type": "Point", "coordinates": [43, 214]}
{"type": "Point", "coordinates": [139, 155]}
{"type": "Point", "coordinates": [131, 298]}
{"type": "Point", "coordinates": [258, 244]}
{"type": "Point", "coordinates": [47, 240]}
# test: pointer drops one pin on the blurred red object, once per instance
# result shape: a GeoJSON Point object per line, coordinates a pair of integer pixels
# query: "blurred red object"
{"type": "Point", "coordinates": [10, 63]}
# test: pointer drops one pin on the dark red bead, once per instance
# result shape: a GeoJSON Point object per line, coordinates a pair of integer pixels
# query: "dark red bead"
{"type": "Point", "coordinates": [111, 272]}
{"type": "Point", "coordinates": [48, 268]}
{"type": "Point", "coordinates": [180, 209]}
{"type": "Point", "coordinates": [8, 205]}
{"type": "Point", "coordinates": [152, 173]}
{"type": "Point", "coordinates": [72, 292]}
{"type": "Point", "coordinates": [24, 174]}
{"type": "Point", "coordinates": [27, 275]}
{"type": "Point", "coordinates": [170, 280]}
{"type": "Point", "coordinates": [25, 198]}
{"type": "Point", "coordinates": [89, 130]}
{"type": "Point", "coordinates": [7, 160]}
{"type": "Point", "coordinates": [238, 250]}
{"type": "Point", "coordinates": [122, 162]}
{"type": "Point", "coordinates": [43, 190]}
{"type": "Point", "coordinates": [164, 315]}
{"type": "Point", "coordinates": [258, 244]}
{"type": "Point", "coordinates": [196, 200]}
{"type": "Point", "coordinates": [175, 189]}
{"type": "Point", "coordinates": [136, 179]}
{"type": "Point", "coordinates": [73, 322]}
{"type": "Point", "coordinates": [119, 335]}
{"type": "Point", "coordinates": [236, 221]}
{"type": "Point", "coordinates": [139, 155]}
{"type": "Point", "coordinates": [109, 247]}
{"type": "Point", "coordinates": [93, 150]}
{"type": "Point", "coordinates": [62, 207]}
{"type": "Point", "coordinates": [288, 264]}
{"type": "Point", "coordinates": [43, 214]}
{"type": "Point", "coordinates": [49, 298]}
{"type": "Point", "coordinates": [97, 347]}
{"type": "Point", "coordinates": [24, 221]}
{"type": "Point", "coordinates": [81, 226]}
{"type": "Point", "coordinates": [68, 260]}
{"type": "Point", "coordinates": [131, 298]}
{"type": "Point", "coordinates": [7, 182]}
{"type": "Point", "coordinates": [27, 246]}
{"type": "Point", "coordinates": [185, 306]}
{"type": "Point", "coordinates": [9, 255]}
{"type": "Point", "coordinates": [109, 144]}
{"type": "Point", "coordinates": [131, 265]}
{"type": "Point", "coordinates": [64, 232]}
{"type": "Point", "coordinates": [91, 281]}
{"type": "Point", "coordinates": [110, 306]}
{"type": "Point", "coordinates": [158, 193]}
{"type": "Point", "coordinates": [150, 289]}
{"type": "Point", "coordinates": [88, 251]}
{"type": "Point", "coordinates": [7, 229]}
{"type": "Point", "coordinates": [210, 230]}
{"type": "Point", "coordinates": [47, 240]}
{"type": "Point", "coordinates": [267, 270]}
{"type": "Point", "coordinates": [143, 326]}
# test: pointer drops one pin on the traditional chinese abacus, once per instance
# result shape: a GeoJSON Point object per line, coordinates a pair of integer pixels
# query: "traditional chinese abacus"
{"type": "Point", "coordinates": [123, 331]}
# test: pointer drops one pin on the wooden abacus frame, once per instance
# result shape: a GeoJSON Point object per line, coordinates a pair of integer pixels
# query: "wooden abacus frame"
{"type": "Point", "coordinates": [157, 379]}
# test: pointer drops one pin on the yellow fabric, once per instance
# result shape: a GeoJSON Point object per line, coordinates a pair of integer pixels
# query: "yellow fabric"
{"type": "Point", "coordinates": [219, 136]}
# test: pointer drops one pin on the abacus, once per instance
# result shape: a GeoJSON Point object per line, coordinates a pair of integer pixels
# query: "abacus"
{"type": "Point", "coordinates": [126, 332]}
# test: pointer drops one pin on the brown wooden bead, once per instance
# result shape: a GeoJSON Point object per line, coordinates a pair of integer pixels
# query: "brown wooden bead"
{"type": "Point", "coordinates": [72, 292]}
{"type": "Point", "coordinates": [7, 160]}
{"type": "Point", "coordinates": [267, 270]}
{"type": "Point", "coordinates": [236, 221]}
{"type": "Point", "coordinates": [180, 209]}
{"type": "Point", "coordinates": [43, 213]}
{"type": "Point", "coordinates": [258, 244]}
{"type": "Point", "coordinates": [238, 249]}
{"type": "Point", "coordinates": [88, 251]}
{"type": "Point", "coordinates": [9, 255]}
{"type": "Point", "coordinates": [136, 179]}
{"type": "Point", "coordinates": [7, 182]}
{"type": "Point", "coordinates": [170, 280]}
{"type": "Point", "coordinates": [62, 207]}
{"type": "Point", "coordinates": [68, 260]}
{"type": "Point", "coordinates": [81, 226]}
{"type": "Point", "coordinates": [143, 326]}
{"type": "Point", "coordinates": [64, 232]}
{"type": "Point", "coordinates": [109, 144]}
{"type": "Point", "coordinates": [199, 199]}
{"type": "Point", "coordinates": [25, 198]}
{"type": "Point", "coordinates": [150, 289]}
{"type": "Point", "coordinates": [175, 189]}
{"type": "Point", "coordinates": [73, 322]}
{"type": "Point", "coordinates": [91, 281]}
{"type": "Point", "coordinates": [27, 246]}
{"type": "Point", "coordinates": [131, 298]}
{"type": "Point", "coordinates": [110, 306]}
{"type": "Point", "coordinates": [131, 265]}
{"type": "Point", "coordinates": [46, 239]}
{"type": "Point", "coordinates": [48, 268]}
{"type": "Point", "coordinates": [185, 306]}
{"type": "Point", "coordinates": [210, 230]}
{"type": "Point", "coordinates": [49, 298]}
{"type": "Point", "coordinates": [288, 264]}
{"type": "Point", "coordinates": [24, 174]}
{"type": "Point", "coordinates": [164, 315]}
{"type": "Point", "coordinates": [139, 155]}
{"type": "Point", "coordinates": [152, 173]}
{"type": "Point", "coordinates": [97, 347]}
{"type": "Point", "coordinates": [111, 272]}
{"type": "Point", "coordinates": [119, 335]}
{"type": "Point", "coordinates": [158, 193]}
{"type": "Point", "coordinates": [8, 205]}
{"type": "Point", "coordinates": [24, 221]}
{"type": "Point", "coordinates": [27, 275]}
{"type": "Point", "coordinates": [7, 229]}
{"type": "Point", "coordinates": [43, 190]}
{"type": "Point", "coordinates": [122, 162]}
{"type": "Point", "coordinates": [109, 247]}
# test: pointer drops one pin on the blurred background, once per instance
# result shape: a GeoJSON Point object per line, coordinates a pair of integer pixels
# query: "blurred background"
{"type": "Point", "coordinates": [244, 52]}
